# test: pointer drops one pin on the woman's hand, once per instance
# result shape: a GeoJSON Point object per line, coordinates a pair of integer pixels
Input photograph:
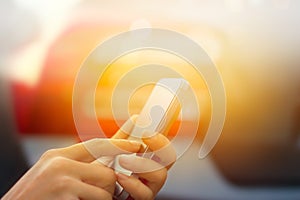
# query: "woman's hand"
{"type": "Point", "coordinates": [149, 174]}
{"type": "Point", "coordinates": [75, 172]}
{"type": "Point", "coordinates": [70, 173]}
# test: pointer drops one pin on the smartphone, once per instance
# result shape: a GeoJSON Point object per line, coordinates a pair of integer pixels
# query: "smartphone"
{"type": "Point", "coordinates": [159, 113]}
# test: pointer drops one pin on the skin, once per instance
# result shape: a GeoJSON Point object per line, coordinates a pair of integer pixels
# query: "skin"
{"type": "Point", "coordinates": [149, 175]}
{"type": "Point", "coordinates": [74, 173]}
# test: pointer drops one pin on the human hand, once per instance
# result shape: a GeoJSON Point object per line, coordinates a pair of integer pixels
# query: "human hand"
{"type": "Point", "coordinates": [149, 174]}
{"type": "Point", "coordinates": [70, 173]}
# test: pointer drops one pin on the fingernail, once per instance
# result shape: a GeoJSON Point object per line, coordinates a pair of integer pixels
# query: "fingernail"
{"type": "Point", "coordinates": [156, 159]}
{"type": "Point", "coordinates": [126, 159]}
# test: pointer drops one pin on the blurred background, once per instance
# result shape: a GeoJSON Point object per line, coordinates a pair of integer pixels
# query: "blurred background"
{"type": "Point", "coordinates": [255, 45]}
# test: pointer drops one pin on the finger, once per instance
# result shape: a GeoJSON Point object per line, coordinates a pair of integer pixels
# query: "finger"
{"type": "Point", "coordinates": [126, 128]}
{"type": "Point", "coordinates": [164, 152]}
{"type": "Point", "coordinates": [134, 187]}
{"type": "Point", "coordinates": [149, 170]}
{"type": "Point", "coordinates": [105, 160]}
{"type": "Point", "coordinates": [90, 150]}
{"type": "Point", "coordinates": [95, 174]}
{"type": "Point", "coordinates": [155, 142]}
{"type": "Point", "coordinates": [138, 164]}
{"type": "Point", "coordinates": [89, 192]}
{"type": "Point", "coordinates": [98, 175]}
{"type": "Point", "coordinates": [112, 147]}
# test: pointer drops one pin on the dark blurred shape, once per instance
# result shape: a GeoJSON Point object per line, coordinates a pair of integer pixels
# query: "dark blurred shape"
{"type": "Point", "coordinates": [258, 145]}
{"type": "Point", "coordinates": [295, 139]}
{"type": "Point", "coordinates": [18, 28]}
{"type": "Point", "coordinates": [13, 163]}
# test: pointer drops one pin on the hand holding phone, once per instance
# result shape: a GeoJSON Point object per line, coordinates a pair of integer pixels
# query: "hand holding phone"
{"type": "Point", "coordinates": [158, 115]}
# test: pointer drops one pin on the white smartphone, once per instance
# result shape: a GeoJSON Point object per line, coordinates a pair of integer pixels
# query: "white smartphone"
{"type": "Point", "coordinates": [158, 115]}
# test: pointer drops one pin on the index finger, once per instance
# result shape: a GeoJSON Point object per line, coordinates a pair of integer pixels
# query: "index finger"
{"type": "Point", "coordinates": [162, 148]}
{"type": "Point", "coordinates": [90, 150]}
{"type": "Point", "coordinates": [126, 128]}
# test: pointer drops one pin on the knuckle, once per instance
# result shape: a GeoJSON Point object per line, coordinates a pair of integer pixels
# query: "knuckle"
{"type": "Point", "coordinates": [111, 173]}
{"type": "Point", "coordinates": [107, 176]}
{"type": "Point", "coordinates": [50, 154]}
{"type": "Point", "coordinates": [111, 176]}
{"type": "Point", "coordinates": [58, 163]}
